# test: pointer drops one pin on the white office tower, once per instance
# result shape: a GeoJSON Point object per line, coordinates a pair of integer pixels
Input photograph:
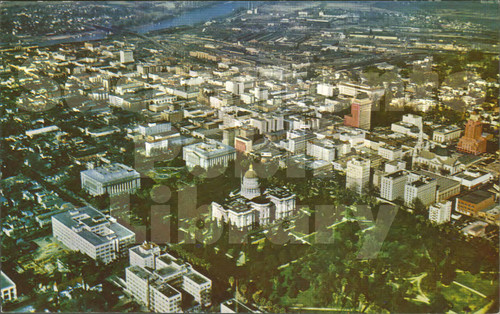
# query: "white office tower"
{"type": "Point", "coordinates": [89, 231]}
{"type": "Point", "coordinates": [126, 56]}
{"type": "Point", "coordinates": [112, 179]}
{"type": "Point", "coordinates": [420, 187]}
{"type": "Point", "coordinates": [440, 213]}
{"type": "Point", "coordinates": [325, 89]}
{"type": "Point", "coordinates": [250, 184]}
{"type": "Point", "coordinates": [358, 174]}
{"type": "Point", "coordinates": [392, 185]}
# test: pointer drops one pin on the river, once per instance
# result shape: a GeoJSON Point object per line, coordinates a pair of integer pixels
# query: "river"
{"type": "Point", "coordinates": [191, 17]}
{"type": "Point", "coordinates": [194, 16]}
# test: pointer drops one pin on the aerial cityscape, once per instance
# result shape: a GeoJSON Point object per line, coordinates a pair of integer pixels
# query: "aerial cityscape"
{"type": "Point", "coordinates": [250, 156]}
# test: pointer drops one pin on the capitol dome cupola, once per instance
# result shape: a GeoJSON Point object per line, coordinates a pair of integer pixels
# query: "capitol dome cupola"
{"type": "Point", "coordinates": [250, 184]}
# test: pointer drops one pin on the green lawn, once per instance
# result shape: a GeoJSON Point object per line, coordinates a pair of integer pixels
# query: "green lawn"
{"type": "Point", "coordinates": [484, 286]}
{"type": "Point", "coordinates": [461, 297]}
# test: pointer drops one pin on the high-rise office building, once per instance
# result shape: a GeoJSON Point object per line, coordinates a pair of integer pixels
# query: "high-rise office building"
{"type": "Point", "coordinates": [472, 142]}
{"type": "Point", "coordinates": [420, 187]}
{"type": "Point", "coordinates": [126, 56]}
{"type": "Point", "coordinates": [361, 113]}
{"type": "Point", "coordinates": [392, 185]}
{"type": "Point", "coordinates": [358, 174]}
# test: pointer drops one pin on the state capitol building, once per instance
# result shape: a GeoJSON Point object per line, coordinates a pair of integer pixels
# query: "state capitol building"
{"type": "Point", "coordinates": [252, 207]}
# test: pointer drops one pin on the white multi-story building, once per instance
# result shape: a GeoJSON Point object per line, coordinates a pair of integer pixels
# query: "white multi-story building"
{"type": "Point", "coordinates": [296, 141]}
{"type": "Point", "coordinates": [112, 179]}
{"type": "Point", "coordinates": [267, 123]}
{"type": "Point", "coordinates": [156, 145]}
{"type": "Point", "coordinates": [161, 283]}
{"type": "Point", "coordinates": [261, 93]}
{"type": "Point", "coordinates": [144, 255]}
{"type": "Point", "coordinates": [410, 125]}
{"type": "Point", "coordinates": [151, 292]}
{"type": "Point", "coordinates": [325, 89]}
{"type": "Point", "coordinates": [207, 155]}
{"type": "Point", "coordinates": [390, 152]}
{"type": "Point", "coordinates": [351, 90]}
{"type": "Point", "coordinates": [446, 134]}
{"type": "Point", "coordinates": [154, 128]}
{"type": "Point", "coordinates": [358, 174]}
{"type": "Point", "coordinates": [126, 56]}
{"type": "Point", "coordinates": [412, 119]}
{"type": "Point", "coordinates": [89, 231]}
{"type": "Point", "coordinates": [421, 187]}
{"type": "Point", "coordinates": [440, 212]}
{"type": "Point", "coordinates": [394, 166]}
{"type": "Point", "coordinates": [235, 212]}
{"type": "Point", "coordinates": [392, 185]}
{"type": "Point", "coordinates": [8, 288]}
{"type": "Point", "coordinates": [239, 85]}
{"type": "Point", "coordinates": [162, 142]}
{"type": "Point", "coordinates": [284, 202]}
{"type": "Point", "coordinates": [470, 179]}
{"type": "Point", "coordinates": [321, 149]}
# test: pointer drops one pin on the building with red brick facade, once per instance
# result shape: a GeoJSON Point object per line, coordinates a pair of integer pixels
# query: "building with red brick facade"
{"type": "Point", "coordinates": [472, 142]}
{"type": "Point", "coordinates": [471, 203]}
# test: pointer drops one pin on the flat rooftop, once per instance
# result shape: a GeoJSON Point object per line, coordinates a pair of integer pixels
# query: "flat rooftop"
{"type": "Point", "coordinates": [236, 204]}
{"type": "Point", "coordinates": [447, 129]}
{"type": "Point", "coordinates": [421, 182]}
{"type": "Point", "coordinates": [397, 174]}
{"type": "Point", "coordinates": [167, 290]}
{"type": "Point", "coordinates": [139, 272]}
{"type": "Point", "coordinates": [209, 149]}
{"type": "Point", "coordinates": [87, 217]}
{"type": "Point", "coordinates": [197, 278]}
{"type": "Point", "coordinates": [476, 197]}
{"type": "Point", "coordinates": [443, 183]}
{"type": "Point", "coordinates": [111, 173]}
{"type": "Point", "coordinates": [167, 271]}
